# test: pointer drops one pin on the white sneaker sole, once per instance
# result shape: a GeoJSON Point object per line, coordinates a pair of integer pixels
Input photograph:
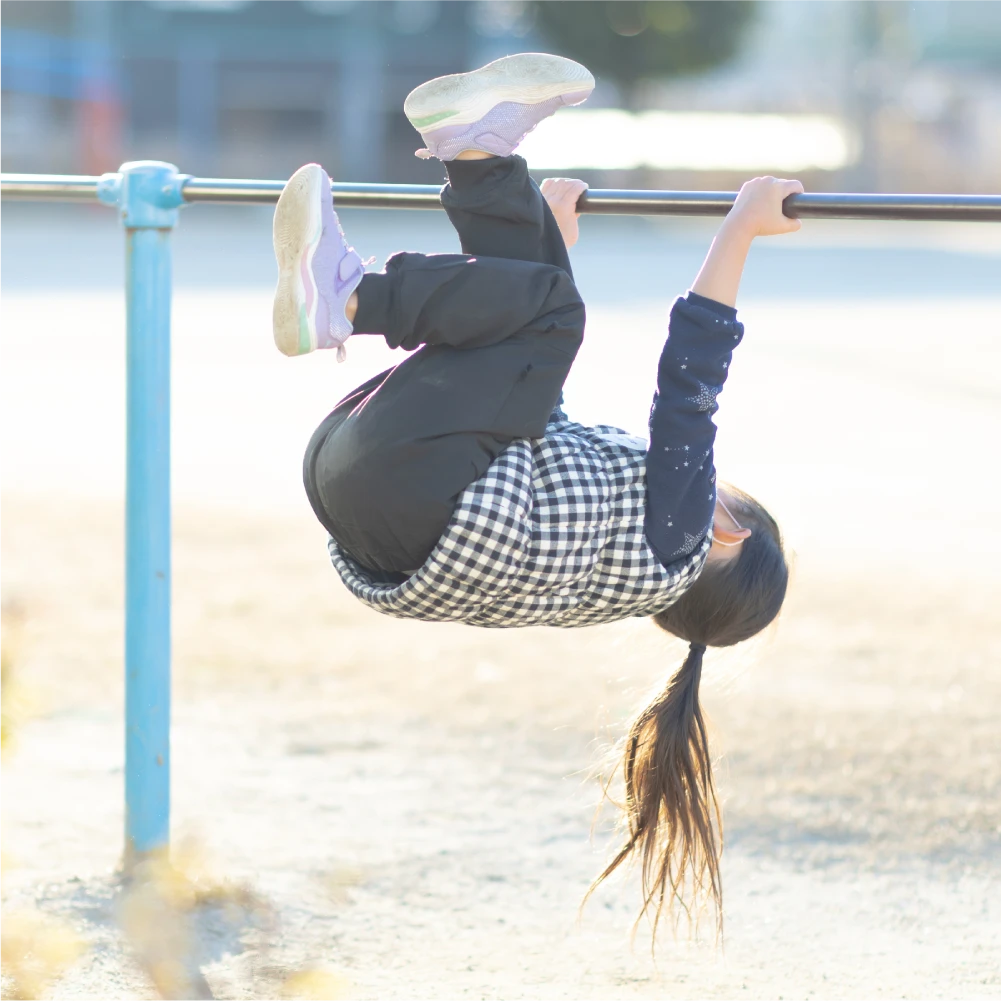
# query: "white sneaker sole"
{"type": "Point", "coordinates": [296, 233]}
{"type": "Point", "coordinates": [464, 98]}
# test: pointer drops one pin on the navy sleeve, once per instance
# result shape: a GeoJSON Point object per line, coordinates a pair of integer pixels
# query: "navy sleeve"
{"type": "Point", "coordinates": [680, 475]}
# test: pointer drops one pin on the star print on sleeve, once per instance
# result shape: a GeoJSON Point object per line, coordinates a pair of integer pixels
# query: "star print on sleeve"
{"type": "Point", "coordinates": [705, 399]}
{"type": "Point", "coordinates": [688, 546]}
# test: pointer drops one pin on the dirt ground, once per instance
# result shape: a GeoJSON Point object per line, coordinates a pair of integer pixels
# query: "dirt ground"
{"type": "Point", "coordinates": [413, 804]}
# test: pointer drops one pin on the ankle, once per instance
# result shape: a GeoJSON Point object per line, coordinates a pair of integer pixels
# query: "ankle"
{"type": "Point", "coordinates": [351, 307]}
{"type": "Point", "coordinates": [475, 154]}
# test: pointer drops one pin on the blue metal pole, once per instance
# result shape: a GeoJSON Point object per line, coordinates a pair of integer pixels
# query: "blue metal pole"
{"type": "Point", "coordinates": [148, 196]}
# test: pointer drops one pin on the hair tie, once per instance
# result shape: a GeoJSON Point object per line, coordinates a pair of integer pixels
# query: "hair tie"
{"type": "Point", "coordinates": [699, 648]}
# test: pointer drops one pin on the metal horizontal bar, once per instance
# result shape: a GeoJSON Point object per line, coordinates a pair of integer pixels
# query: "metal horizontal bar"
{"type": "Point", "coordinates": [956, 208]}
{"type": "Point", "coordinates": [49, 187]}
{"type": "Point", "coordinates": [630, 202]}
{"type": "Point", "coordinates": [812, 205]}
{"type": "Point", "coordinates": [347, 195]}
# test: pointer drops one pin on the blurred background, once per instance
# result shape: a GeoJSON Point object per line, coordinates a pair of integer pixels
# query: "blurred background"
{"type": "Point", "coordinates": [876, 96]}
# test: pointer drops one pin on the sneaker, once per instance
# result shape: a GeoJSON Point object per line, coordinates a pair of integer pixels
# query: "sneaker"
{"type": "Point", "coordinates": [495, 107]}
{"type": "Point", "coordinates": [317, 270]}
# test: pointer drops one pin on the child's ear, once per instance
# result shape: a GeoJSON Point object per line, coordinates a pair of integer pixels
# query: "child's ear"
{"type": "Point", "coordinates": [730, 538]}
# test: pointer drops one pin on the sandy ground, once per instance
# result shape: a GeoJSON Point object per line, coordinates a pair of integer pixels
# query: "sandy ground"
{"type": "Point", "coordinates": [415, 802]}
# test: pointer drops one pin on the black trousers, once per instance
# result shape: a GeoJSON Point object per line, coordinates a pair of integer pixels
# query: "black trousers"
{"type": "Point", "coordinates": [494, 332]}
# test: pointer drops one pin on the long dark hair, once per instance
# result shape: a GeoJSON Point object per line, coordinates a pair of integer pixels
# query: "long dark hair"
{"type": "Point", "coordinates": [672, 816]}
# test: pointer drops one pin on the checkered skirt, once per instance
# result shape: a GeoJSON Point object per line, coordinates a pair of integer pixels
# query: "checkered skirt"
{"type": "Point", "coordinates": [551, 535]}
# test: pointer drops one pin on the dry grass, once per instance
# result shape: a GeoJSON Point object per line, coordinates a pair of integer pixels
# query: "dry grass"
{"type": "Point", "coordinates": [160, 910]}
{"type": "Point", "coordinates": [14, 700]}
{"type": "Point", "coordinates": [36, 950]}
{"type": "Point", "coordinates": [315, 983]}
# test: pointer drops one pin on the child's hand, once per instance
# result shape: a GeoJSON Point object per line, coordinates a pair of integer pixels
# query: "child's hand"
{"type": "Point", "coordinates": [758, 208]}
{"type": "Point", "coordinates": [757, 211]}
{"type": "Point", "coordinates": [562, 193]}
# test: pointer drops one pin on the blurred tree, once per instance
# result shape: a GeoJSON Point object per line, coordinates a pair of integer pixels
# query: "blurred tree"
{"type": "Point", "coordinates": [633, 40]}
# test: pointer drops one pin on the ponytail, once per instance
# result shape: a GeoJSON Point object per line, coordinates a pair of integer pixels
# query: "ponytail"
{"type": "Point", "coordinates": [672, 817]}
{"type": "Point", "coordinates": [671, 812]}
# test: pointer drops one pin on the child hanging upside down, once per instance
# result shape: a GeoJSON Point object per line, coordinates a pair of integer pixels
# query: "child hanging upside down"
{"type": "Point", "coordinates": [453, 486]}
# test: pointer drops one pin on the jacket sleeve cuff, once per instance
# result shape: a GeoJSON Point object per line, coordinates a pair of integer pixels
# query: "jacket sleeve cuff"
{"type": "Point", "coordinates": [719, 308]}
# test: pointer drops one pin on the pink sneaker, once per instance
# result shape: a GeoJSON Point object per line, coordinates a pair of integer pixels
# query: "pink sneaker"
{"type": "Point", "coordinates": [317, 270]}
{"type": "Point", "coordinates": [495, 107]}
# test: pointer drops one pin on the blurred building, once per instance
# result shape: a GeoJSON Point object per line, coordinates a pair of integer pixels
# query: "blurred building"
{"type": "Point", "coordinates": [229, 87]}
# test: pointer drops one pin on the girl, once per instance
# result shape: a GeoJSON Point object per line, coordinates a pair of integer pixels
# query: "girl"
{"type": "Point", "coordinates": [453, 486]}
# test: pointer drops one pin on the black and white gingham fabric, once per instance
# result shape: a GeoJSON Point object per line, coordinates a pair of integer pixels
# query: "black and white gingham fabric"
{"type": "Point", "coordinates": [551, 535]}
